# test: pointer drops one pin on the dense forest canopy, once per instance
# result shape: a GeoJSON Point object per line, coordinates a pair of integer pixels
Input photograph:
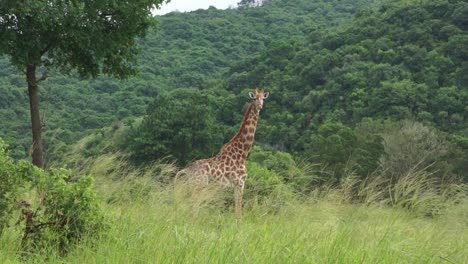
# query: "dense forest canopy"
{"type": "Point", "coordinates": [342, 75]}
{"type": "Point", "coordinates": [187, 50]}
{"type": "Point", "coordinates": [403, 60]}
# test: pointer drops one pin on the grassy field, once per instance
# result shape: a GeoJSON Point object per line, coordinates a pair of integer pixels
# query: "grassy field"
{"type": "Point", "coordinates": [161, 229]}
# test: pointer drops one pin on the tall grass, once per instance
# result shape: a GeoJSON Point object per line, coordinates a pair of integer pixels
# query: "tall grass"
{"type": "Point", "coordinates": [410, 219]}
{"type": "Point", "coordinates": [151, 223]}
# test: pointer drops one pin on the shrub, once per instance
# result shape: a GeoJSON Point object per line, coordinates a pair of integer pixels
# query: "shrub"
{"type": "Point", "coordinates": [301, 174]}
{"type": "Point", "coordinates": [11, 184]}
{"type": "Point", "coordinates": [53, 211]}
{"type": "Point", "coordinates": [266, 186]}
{"type": "Point", "coordinates": [411, 147]}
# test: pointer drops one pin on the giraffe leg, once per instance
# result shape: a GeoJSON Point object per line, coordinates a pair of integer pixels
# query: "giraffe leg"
{"type": "Point", "coordinates": [198, 188]}
{"type": "Point", "coordinates": [238, 192]}
{"type": "Point", "coordinates": [195, 203]}
{"type": "Point", "coordinates": [238, 201]}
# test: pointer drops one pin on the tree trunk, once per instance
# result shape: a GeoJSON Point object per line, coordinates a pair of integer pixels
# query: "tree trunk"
{"type": "Point", "coordinates": [36, 149]}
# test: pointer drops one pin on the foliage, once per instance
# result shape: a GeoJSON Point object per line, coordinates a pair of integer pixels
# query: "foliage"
{"type": "Point", "coordinates": [412, 147]}
{"type": "Point", "coordinates": [261, 181]}
{"type": "Point", "coordinates": [179, 124]}
{"type": "Point", "coordinates": [334, 144]}
{"type": "Point", "coordinates": [391, 62]}
{"type": "Point", "coordinates": [191, 49]}
{"type": "Point", "coordinates": [54, 211]}
{"type": "Point", "coordinates": [385, 64]}
{"type": "Point", "coordinates": [336, 88]}
{"type": "Point", "coordinates": [12, 178]}
{"type": "Point", "coordinates": [300, 175]}
{"type": "Point", "coordinates": [66, 212]}
{"type": "Point", "coordinates": [88, 37]}
{"type": "Point", "coordinates": [58, 34]}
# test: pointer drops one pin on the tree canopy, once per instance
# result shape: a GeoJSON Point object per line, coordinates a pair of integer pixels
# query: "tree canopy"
{"type": "Point", "coordinates": [90, 37]}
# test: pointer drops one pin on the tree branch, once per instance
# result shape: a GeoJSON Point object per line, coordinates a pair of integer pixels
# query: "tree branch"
{"type": "Point", "coordinates": [43, 77]}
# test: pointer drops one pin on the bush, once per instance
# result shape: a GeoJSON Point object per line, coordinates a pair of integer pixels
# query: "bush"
{"type": "Point", "coordinates": [52, 211]}
{"type": "Point", "coordinates": [266, 187]}
{"type": "Point", "coordinates": [11, 184]}
{"type": "Point", "coordinates": [410, 147]}
{"type": "Point", "coordinates": [301, 175]}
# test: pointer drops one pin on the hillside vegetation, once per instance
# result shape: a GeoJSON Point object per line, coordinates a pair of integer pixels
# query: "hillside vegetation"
{"type": "Point", "coordinates": [403, 60]}
{"type": "Point", "coordinates": [387, 86]}
{"type": "Point", "coordinates": [186, 50]}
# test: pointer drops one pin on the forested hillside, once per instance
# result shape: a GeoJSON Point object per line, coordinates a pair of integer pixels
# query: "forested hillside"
{"type": "Point", "coordinates": [186, 50]}
{"type": "Point", "coordinates": [404, 60]}
{"type": "Point", "coordinates": [340, 95]}
{"type": "Point", "coordinates": [335, 87]}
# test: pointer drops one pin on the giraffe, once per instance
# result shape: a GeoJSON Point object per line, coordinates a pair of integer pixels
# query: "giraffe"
{"type": "Point", "coordinates": [227, 168]}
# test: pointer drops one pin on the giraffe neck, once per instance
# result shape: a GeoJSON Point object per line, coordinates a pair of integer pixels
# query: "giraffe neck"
{"type": "Point", "coordinates": [239, 146]}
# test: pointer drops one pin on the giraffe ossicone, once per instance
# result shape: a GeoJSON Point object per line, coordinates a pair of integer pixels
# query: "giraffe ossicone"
{"type": "Point", "coordinates": [227, 168]}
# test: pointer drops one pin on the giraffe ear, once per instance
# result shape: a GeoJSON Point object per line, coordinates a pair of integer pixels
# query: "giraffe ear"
{"type": "Point", "coordinates": [252, 95]}
{"type": "Point", "coordinates": [265, 96]}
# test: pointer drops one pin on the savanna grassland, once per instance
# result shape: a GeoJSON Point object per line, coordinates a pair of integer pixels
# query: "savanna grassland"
{"type": "Point", "coordinates": [325, 230]}
{"type": "Point", "coordinates": [150, 222]}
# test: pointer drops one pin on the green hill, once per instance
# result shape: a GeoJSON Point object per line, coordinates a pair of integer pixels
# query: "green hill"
{"type": "Point", "coordinates": [342, 76]}
{"type": "Point", "coordinates": [188, 50]}
{"type": "Point", "coordinates": [403, 60]}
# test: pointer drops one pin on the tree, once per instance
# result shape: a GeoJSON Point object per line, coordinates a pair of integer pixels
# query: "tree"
{"type": "Point", "coordinates": [249, 3]}
{"type": "Point", "coordinates": [91, 37]}
{"type": "Point", "coordinates": [333, 145]}
{"type": "Point", "coordinates": [179, 125]}
{"type": "Point", "coordinates": [412, 147]}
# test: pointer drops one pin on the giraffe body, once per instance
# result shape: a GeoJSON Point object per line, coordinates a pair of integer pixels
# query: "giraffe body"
{"type": "Point", "coordinates": [227, 168]}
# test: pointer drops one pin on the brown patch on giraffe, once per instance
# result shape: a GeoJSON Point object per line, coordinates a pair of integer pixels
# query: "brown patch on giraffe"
{"type": "Point", "coordinates": [246, 147]}
{"type": "Point", "coordinates": [252, 130]}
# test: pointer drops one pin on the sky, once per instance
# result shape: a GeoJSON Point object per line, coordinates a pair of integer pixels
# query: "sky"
{"type": "Point", "coordinates": [190, 5]}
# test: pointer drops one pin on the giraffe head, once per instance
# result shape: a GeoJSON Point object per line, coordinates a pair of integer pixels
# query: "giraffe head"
{"type": "Point", "coordinates": [258, 96]}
